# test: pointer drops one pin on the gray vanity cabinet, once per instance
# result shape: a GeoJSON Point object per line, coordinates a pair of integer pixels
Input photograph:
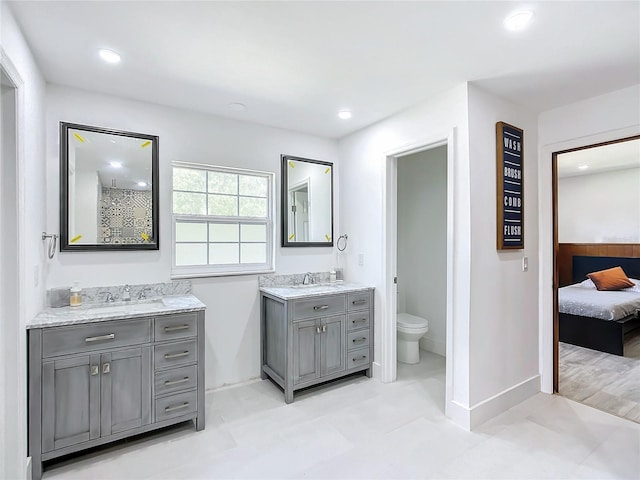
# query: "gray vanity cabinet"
{"type": "Point", "coordinates": [318, 348]}
{"type": "Point", "coordinates": [305, 340]}
{"type": "Point", "coordinates": [84, 398]}
{"type": "Point", "coordinates": [97, 382]}
{"type": "Point", "coordinates": [70, 402]}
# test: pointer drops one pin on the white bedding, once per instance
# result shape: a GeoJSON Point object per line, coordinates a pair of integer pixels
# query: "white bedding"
{"type": "Point", "coordinates": [584, 300]}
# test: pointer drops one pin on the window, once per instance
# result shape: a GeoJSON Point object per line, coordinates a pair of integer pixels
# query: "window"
{"type": "Point", "coordinates": [222, 221]}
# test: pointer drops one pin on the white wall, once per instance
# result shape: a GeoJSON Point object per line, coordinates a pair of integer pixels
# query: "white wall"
{"type": "Point", "coordinates": [18, 61]}
{"type": "Point", "coordinates": [492, 347]}
{"type": "Point", "coordinates": [599, 208]}
{"type": "Point", "coordinates": [503, 346]}
{"type": "Point", "coordinates": [422, 242]}
{"type": "Point", "coordinates": [232, 318]}
{"type": "Point", "coordinates": [599, 119]}
{"type": "Point", "coordinates": [363, 156]}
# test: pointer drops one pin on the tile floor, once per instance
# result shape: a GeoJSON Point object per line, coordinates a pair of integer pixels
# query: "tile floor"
{"type": "Point", "coordinates": [360, 428]}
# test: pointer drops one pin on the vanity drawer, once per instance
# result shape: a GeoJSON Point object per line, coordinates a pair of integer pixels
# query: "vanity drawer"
{"type": "Point", "coordinates": [357, 358]}
{"type": "Point", "coordinates": [95, 336]}
{"type": "Point", "coordinates": [175, 354]}
{"type": "Point", "coordinates": [176, 326]}
{"type": "Point", "coordinates": [176, 379]}
{"type": "Point", "coordinates": [359, 301]}
{"type": "Point", "coordinates": [176, 405]}
{"type": "Point", "coordinates": [357, 320]}
{"type": "Point", "coordinates": [358, 339]}
{"type": "Point", "coordinates": [318, 306]}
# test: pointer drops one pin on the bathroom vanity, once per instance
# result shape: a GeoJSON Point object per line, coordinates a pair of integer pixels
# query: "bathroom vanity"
{"type": "Point", "coordinates": [312, 334]}
{"type": "Point", "coordinates": [100, 373]}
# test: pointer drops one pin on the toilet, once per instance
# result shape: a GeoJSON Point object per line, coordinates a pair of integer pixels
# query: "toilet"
{"type": "Point", "coordinates": [410, 330]}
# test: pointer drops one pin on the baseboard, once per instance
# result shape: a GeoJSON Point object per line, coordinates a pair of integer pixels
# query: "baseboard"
{"type": "Point", "coordinates": [471, 418]}
{"type": "Point", "coordinates": [435, 346]}
{"type": "Point", "coordinates": [459, 414]}
{"type": "Point", "coordinates": [376, 370]}
{"type": "Point", "coordinates": [503, 401]}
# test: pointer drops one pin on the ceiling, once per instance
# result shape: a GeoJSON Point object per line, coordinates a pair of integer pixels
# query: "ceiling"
{"type": "Point", "coordinates": [295, 64]}
{"type": "Point", "coordinates": [614, 156]}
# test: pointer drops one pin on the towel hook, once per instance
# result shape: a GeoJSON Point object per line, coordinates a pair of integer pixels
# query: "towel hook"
{"type": "Point", "coordinates": [53, 239]}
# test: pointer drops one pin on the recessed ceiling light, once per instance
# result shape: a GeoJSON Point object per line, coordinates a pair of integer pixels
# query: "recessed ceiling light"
{"type": "Point", "coordinates": [583, 167]}
{"type": "Point", "coordinates": [518, 21]}
{"type": "Point", "coordinates": [345, 114]}
{"type": "Point", "coordinates": [237, 107]}
{"type": "Point", "coordinates": [142, 184]}
{"type": "Point", "coordinates": [109, 56]}
{"type": "Point", "coordinates": [116, 164]}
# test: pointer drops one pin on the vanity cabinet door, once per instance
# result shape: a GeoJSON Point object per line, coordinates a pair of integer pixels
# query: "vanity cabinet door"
{"type": "Point", "coordinates": [306, 351]}
{"type": "Point", "coordinates": [125, 389]}
{"type": "Point", "coordinates": [332, 345]}
{"type": "Point", "coordinates": [70, 401]}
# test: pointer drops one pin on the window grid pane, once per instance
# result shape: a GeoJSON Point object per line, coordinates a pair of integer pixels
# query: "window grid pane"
{"type": "Point", "coordinates": [224, 196]}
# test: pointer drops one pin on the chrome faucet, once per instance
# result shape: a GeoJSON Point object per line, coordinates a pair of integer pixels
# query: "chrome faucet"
{"type": "Point", "coordinates": [126, 294]}
{"type": "Point", "coordinates": [109, 297]}
{"type": "Point", "coordinates": [308, 278]}
{"type": "Point", "coordinates": [141, 294]}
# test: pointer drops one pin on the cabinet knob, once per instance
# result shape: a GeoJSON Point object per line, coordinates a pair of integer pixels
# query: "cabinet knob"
{"type": "Point", "coordinates": [106, 368]}
{"type": "Point", "coordinates": [317, 329]}
{"type": "Point", "coordinates": [324, 329]}
{"type": "Point", "coordinates": [94, 370]}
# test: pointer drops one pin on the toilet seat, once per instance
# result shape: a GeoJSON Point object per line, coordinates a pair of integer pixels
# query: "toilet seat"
{"type": "Point", "coordinates": [409, 322]}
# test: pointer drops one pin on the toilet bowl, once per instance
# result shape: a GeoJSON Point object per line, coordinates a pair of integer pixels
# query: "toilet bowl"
{"type": "Point", "coordinates": [410, 330]}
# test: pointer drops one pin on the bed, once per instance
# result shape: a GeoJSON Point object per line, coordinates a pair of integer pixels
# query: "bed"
{"type": "Point", "coordinates": [599, 319]}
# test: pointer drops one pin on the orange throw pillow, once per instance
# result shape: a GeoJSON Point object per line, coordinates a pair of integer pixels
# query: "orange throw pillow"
{"type": "Point", "coordinates": [610, 279]}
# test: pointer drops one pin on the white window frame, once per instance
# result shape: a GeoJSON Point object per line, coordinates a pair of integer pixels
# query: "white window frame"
{"type": "Point", "coordinates": [193, 271]}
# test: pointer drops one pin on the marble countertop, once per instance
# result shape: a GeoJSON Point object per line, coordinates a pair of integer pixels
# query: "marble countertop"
{"type": "Point", "coordinates": [290, 292]}
{"type": "Point", "coordinates": [99, 312]}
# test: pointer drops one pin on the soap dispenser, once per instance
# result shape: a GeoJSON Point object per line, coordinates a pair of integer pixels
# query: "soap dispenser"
{"type": "Point", "coordinates": [75, 299]}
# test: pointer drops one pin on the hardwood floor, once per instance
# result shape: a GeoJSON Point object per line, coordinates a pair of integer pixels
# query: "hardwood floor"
{"type": "Point", "coordinates": [607, 382]}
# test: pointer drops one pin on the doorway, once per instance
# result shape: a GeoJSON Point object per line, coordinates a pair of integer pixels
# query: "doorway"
{"type": "Point", "coordinates": [388, 331]}
{"type": "Point", "coordinates": [596, 225]}
{"type": "Point", "coordinates": [10, 345]}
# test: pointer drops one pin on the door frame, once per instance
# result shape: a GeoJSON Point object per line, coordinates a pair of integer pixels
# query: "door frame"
{"type": "Point", "coordinates": [556, 273]}
{"type": "Point", "coordinates": [546, 291]}
{"type": "Point", "coordinates": [388, 330]}
{"type": "Point", "coordinates": [20, 464]}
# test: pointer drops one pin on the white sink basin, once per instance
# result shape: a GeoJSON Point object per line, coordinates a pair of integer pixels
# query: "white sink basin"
{"type": "Point", "coordinates": [125, 307]}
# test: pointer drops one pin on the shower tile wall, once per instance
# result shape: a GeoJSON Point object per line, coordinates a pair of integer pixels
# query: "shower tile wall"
{"type": "Point", "coordinates": [124, 215]}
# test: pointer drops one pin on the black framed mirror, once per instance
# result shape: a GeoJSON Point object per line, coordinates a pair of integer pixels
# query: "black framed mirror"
{"type": "Point", "coordinates": [307, 202]}
{"type": "Point", "coordinates": [108, 189]}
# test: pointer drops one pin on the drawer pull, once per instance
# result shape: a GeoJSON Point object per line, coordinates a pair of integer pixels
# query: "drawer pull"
{"type": "Point", "coordinates": [321, 307]}
{"type": "Point", "coordinates": [363, 339]}
{"type": "Point", "coordinates": [358, 302]}
{"type": "Point", "coordinates": [168, 383]}
{"type": "Point", "coordinates": [176, 328]}
{"type": "Point", "coordinates": [176, 407]}
{"type": "Point", "coordinates": [176, 355]}
{"type": "Point", "coordinates": [361, 357]}
{"type": "Point", "coordinates": [358, 320]}
{"type": "Point", "coordinates": [111, 336]}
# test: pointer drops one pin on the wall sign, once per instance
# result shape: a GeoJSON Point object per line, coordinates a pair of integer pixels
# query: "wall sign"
{"type": "Point", "coordinates": [510, 186]}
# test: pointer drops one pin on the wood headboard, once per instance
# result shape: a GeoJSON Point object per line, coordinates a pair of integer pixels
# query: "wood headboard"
{"type": "Point", "coordinates": [583, 265]}
{"type": "Point", "coordinates": [566, 252]}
